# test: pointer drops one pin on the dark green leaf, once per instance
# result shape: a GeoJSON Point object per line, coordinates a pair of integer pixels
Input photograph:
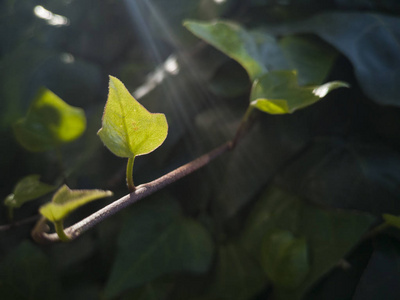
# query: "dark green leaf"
{"type": "Point", "coordinates": [351, 175]}
{"type": "Point", "coordinates": [233, 40]}
{"type": "Point", "coordinates": [278, 92]}
{"type": "Point", "coordinates": [128, 129]}
{"type": "Point", "coordinates": [66, 201]}
{"type": "Point", "coordinates": [27, 189]}
{"type": "Point", "coordinates": [329, 234]}
{"type": "Point", "coordinates": [312, 59]}
{"type": "Point", "coordinates": [284, 258]}
{"type": "Point", "coordinates": [381, 277]}
{"type": "Point", "coordinates": [259, 52]}
{"type": "Point", "coordinates": [370, 41]}
{"type": "Point", "coordinates": [149, 291]}
{"type": "Point", "coordinates": [49, 122]}
{"type": "Point", "coordinates": [27, 274]}
{"type": "Point", "coordinates": [237, 275]}
{"type": "Point", "coordinates": [156, 240]}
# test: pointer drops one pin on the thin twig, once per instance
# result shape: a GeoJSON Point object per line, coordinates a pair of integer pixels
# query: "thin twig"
{"type": "Point", "coordinates": [141, 191]}
{"type": "Point", "coordinates": [19, 223]}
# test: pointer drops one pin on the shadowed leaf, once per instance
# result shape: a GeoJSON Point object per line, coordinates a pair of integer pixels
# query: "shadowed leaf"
{"type": "Point", "coordinates": [27, 189]}
{"type": "Point", "coordinates": [156, 240]}
{"type": "Point", "coordinates": [285, 258]}
{"type": "Point", "coordinates": [27, 273]}
{"type": "Point", "coordinates": [329, 234]}
{"type": "Point", "coordinates": [49, 122]}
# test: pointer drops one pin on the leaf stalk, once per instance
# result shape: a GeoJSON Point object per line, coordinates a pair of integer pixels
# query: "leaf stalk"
{"type": "Point", "coordinates": [129, 176]}
{"type": "Point", "coordinates": [59, 226]}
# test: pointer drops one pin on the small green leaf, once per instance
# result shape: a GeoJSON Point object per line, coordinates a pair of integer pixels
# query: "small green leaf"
{"type": "Point", "coordinates": [278, 92]}
{"type": "Point", "coordinates": [233, 40]}
{"type": "Point", "coordinates": [128, 129]}
{"type": "Point", "coordinates": [392, 220]}
{"type": "Point", "coordinates": [285, 258]}
{"type": "Point", "coordinates": [27, 189]}
{"type": "Point", "coordinates": [49, 122]}
{"type": "Point", "coordinates": [66, 200]}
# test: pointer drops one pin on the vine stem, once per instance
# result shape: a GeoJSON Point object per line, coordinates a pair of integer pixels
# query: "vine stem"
{"type": "Point", "coordinates": [140, 192]}
{"type": "Point", "coordinates": [242, 126]}
{"type": "Point", "coordinates": [19, 223]}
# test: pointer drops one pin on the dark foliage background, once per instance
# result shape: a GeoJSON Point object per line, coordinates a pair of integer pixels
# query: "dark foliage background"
{"type": "Point", "coordinates": [324, 174]}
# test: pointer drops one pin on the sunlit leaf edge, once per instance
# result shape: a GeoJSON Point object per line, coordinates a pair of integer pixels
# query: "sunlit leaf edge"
{"type": "Point", "coordinates": [56, 211]}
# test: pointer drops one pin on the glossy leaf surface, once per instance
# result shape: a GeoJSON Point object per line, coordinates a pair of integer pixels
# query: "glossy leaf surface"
{"type": "Point", "coordinates": [285, 258]}
{"type": "Point", "coordinates": [278, 92]}
{"type": "Point", "coordinates": [49, 122]}
{"type": "Point", "coordinates": [27, 189]}
{"type": "Point", "coordinates": [66, 201]}
{"type": "Point", "coordinates": [329, 234]}
{"type": "Point", "coordinates": [155, 240]}
{"type": "Point", "coordinates": [128, 129]}
{"type": "Point", "coordinates": [233, 40]}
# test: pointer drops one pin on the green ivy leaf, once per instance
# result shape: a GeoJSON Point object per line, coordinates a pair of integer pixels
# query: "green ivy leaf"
{"type": "Point", "coordinates": [49, 122]}
{"type": "Point", "coordinates": [128, 129]}
{"type": "Point", "coordinates": [66, 200]}
{"type": "Point", "coordinates": [285, 258]}
{"type": "Point", "coordinates": [278, 92]}
{"type": "Point", "coordinates": [156, 240]}
{"type": "Point", "coordinates": [27, 189]}
{"type": "Point", "coordinates": [311, 58]}
{"type": "Point", "coordinates": [233, 40]}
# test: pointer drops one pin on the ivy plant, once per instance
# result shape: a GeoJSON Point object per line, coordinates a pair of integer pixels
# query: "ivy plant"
{"type": "Point", "coordinates": [284, 241]}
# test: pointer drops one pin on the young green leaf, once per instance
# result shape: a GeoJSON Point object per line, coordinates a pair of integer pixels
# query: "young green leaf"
{"type": "Point", "coordinates": [49, 122]}
{"type": "Point", "coordinates": [392, 220]}
{"type": "Point", "coordinates": [285, 258]}
{"type": "Point", "coordinates": [66, 200]}
{"type": "Point", "coordinates": [128, 129]}
{"type": "Point", "coordinates": [233, 40]}
{"type": "Point", "coordinates": [27, 189]}
{"type": "Point", "coordinates": [278, 92]}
